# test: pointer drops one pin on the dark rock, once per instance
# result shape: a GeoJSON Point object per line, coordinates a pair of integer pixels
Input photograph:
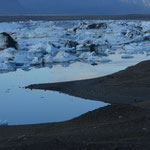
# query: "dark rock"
{"type": "Point", "coordinates": [97, 26]}
{"type": "Point", "coordinates": [93, 47]}
{"type": "Point", "coordinates": [75, 29]}
{"type": "Point", "coordinates": [6, 41]}
{"type": "Point", "coordinates": [71, 44]}
{"type": "Point", "coordinates": [94, 64]}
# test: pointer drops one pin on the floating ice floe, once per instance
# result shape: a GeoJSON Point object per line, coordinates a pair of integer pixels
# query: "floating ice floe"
{"type": "Point", "coordinates": [7, 55]}
{"type": "Point", "coordinates": [52, 50]}
{"type": "Point", "coordinates": [94, 59]}
{"type": "Point", "coordinates": [64, 57]}
{"type": "Point", "coordinates": [6, 67]}
{"type": "Point", "coordinates": [42, 43]}
{"type": "Point", "coordinates": [127, 56]}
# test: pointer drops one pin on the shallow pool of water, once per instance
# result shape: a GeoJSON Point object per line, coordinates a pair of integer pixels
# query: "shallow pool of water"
{"type": "Point", "coordinates": [23, 106]}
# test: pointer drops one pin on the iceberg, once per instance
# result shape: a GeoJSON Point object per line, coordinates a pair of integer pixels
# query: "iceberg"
{"type": "Point", "coordinates": [45, 43]}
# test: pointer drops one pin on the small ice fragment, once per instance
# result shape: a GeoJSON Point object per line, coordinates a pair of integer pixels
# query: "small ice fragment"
{"type": "Point", "coordinates": [127, 56]}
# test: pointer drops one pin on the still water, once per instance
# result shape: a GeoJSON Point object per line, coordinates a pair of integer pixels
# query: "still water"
{"type": "Point", "coordinates": [23, 106]}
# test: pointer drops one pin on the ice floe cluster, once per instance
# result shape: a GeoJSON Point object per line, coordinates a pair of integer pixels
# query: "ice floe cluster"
{"type": "Point", "coordinates": [38, 44]}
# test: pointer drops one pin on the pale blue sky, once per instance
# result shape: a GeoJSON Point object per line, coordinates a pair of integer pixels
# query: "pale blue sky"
{"type": "Point", "coordinates": [103, 7]}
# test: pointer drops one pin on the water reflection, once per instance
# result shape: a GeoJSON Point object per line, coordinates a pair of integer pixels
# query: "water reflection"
{"type": "Point", "coordinates": [22, 106]}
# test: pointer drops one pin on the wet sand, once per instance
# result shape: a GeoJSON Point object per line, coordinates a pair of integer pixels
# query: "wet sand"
{"type": "Point", "coordinates": [11, 18]}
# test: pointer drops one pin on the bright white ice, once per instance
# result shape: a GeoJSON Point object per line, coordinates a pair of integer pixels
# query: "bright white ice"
{"type": "Point", "coordinates": [43, 43]}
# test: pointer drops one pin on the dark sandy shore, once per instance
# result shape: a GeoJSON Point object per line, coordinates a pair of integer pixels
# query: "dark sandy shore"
{"type": "Point", "coordinates": [11, 18]}
{"type": "Point", "coordinates": [125, 87]}
{"type": "Point", "coordinates": [114, 127]}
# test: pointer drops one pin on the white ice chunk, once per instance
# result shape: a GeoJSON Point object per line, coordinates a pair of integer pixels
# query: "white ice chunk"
{"type": "Point", "coordinates": [83, 48]}
{"type": "Point", "coordinates": [67, 49]}
{"type": "Point", "coordinates": [64, 57]}
{"type": "Point", "coordinates": [86, 55]}
{"type": "Point", "coordinates": [48, 58]}
{"type": "Point", "coordinates": [93, 59]}
{"type": "Point", "coordinates": [22, 58]}
{"type": "Point", "coordinates": [6, 67]}
{"type": "Point", "coordinates": [36, 61]}
{"type": "Point", "coordinates": [105, 60]}
{"type": "Point", "coordinates": [51, 50]}
{"type": "Point", "coordinates": [7, 54]}
{"type": "Point", "coordinates": [38, 48]}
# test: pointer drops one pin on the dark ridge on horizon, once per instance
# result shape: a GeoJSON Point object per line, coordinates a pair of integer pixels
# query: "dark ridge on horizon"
{"type": "Point", "coordinates": [10, 18]}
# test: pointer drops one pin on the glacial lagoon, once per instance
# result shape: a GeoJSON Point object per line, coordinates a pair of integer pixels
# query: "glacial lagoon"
{"type": "Point", "coordinates": [63, 51]}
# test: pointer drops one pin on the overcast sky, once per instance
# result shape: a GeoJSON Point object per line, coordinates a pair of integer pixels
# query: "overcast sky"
{"type": "Point", "coordinates": [93, 7]}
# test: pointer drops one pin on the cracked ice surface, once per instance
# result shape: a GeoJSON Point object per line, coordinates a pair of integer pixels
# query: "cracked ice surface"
{"type": "Point", "coordinates": [44, 43]}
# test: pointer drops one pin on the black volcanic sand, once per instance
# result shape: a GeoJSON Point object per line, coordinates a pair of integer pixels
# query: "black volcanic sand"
{"type": "Point", "coordinates": [114, 127]}
{"type": "Point", "coordinates": [124, 87]}
{"type": "Point", "coordinates": [10, 18]}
